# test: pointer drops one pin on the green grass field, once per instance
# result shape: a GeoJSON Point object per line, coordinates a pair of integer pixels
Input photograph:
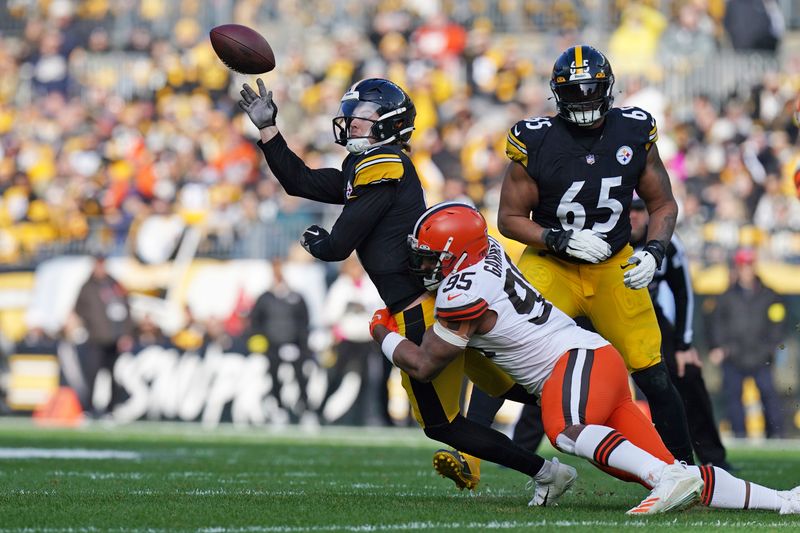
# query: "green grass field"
{"type": "Point", "coordinates": [173, 477]}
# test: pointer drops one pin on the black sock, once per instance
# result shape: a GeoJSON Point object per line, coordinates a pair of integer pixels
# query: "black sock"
{"type": "Point", "coordinates": [486, 444]}
{"type": "Point", "coordinates": [667, 410]}
{"type": "Point", "coordinates": [483, 408]}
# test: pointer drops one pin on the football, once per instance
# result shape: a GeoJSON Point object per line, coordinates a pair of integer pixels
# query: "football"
{"type": "Point", "coordinates": [242, 49]}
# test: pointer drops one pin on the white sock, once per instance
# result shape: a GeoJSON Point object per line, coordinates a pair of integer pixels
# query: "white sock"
{"type": "Point", "coordinates": [606, 446]}
{"type": "Point", "coordinates": [724, 491]}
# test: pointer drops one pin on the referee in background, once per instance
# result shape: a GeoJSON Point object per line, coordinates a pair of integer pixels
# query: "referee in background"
{"type": "Point", "coordinates": [676, 339]}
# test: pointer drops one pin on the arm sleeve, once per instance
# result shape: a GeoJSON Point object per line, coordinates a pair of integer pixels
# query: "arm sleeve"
{"type": "Point", "coordinates": [679, 282]}
{"type": "Point", "coordinates": [321, 185]}
{"type": "Point", "coordinates": [359, 217]}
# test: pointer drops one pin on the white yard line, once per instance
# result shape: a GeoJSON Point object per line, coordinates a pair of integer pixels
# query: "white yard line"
{"type": "Point", "coordinates": [65, 453]}
{"type": "Point", "coordinates": [414, 526]}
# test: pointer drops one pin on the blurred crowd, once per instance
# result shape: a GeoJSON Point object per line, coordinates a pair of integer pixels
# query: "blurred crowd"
{"type": "Point", "coordinates": [120, 128]}
{"type": "Point", "coordinates": [120, 133]}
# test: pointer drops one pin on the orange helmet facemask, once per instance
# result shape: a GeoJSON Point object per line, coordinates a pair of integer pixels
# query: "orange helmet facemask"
{"type": "Point", "coordinates": [447, 237]}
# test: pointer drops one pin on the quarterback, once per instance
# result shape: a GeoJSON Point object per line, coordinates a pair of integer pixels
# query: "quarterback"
{"type": "Point", "coordinates": [483, 301]}
{"type": "Point", "coordinates": [567, 195]}
{"type": "Point", "coordinates": [382, 198]}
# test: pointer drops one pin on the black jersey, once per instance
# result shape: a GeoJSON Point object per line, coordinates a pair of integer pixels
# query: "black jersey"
{"type": "Point", "coordinates": [580, 187]}
{"type": "Point", "coordinates": [382, 198]}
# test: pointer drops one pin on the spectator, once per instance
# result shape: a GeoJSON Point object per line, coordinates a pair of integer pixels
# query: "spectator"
{"type": "Point", "coordinates": [279, 323]}
{"type": "Point", "coordinates": [103, 309]}
{"type": "Point", "coordinates": [754, 25]}
{"type": "Point", "coordinates": [745, 330]}
{"type": "Point", "coordinates": [348, 310]}
{"type": "Point", "coordinates": [688, 41]}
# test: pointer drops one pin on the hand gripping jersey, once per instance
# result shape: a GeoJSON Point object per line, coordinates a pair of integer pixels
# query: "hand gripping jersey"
{"type": "Point", "coordinates": [530, 335]}
{"type": "Point", "coordinates": [585, 188]}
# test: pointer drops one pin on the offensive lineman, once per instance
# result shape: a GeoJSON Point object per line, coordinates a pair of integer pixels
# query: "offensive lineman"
{"type": "Point", "coordinates": [576, 172]}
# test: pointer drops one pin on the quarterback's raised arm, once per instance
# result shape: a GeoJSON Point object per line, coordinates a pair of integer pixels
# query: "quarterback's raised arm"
{"type": "Point", "coordinates": [656, 191]}
{"type": "Point", "coordinates": [518, 196]}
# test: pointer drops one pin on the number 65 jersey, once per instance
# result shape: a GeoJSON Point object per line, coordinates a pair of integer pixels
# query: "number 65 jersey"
{"type": "Point", "coordinates": [529, 335]}
{"type": "Point", "coordinates": [587, 184]}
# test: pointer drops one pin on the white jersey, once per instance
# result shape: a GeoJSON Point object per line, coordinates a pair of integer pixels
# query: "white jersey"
{"type": "Point", "coordinates": [530, 334]}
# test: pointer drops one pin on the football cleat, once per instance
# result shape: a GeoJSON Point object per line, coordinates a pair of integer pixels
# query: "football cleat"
{"type": "Point", "coordinates": [677, 489]}
{"type": "Point", "coordinates": [790, 501]}
{"type": "Point", "coordinates": [463, 469]}
{"type": "Point", "coordinates": [548, 492]}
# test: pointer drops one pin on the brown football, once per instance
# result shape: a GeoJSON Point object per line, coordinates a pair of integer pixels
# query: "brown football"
{"type": "Point", "coordinates": [242, 49]}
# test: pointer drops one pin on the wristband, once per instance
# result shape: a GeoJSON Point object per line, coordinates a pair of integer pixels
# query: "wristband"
{"type": "Point", "coordinates": [657, 250]}
{"type": "Point", "coordinates": [389, 344]}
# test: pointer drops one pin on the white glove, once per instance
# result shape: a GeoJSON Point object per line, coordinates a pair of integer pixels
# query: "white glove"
{"type": "Point", "coordinates": [642, 273]}
{"type": "Point", "coordinates": [589, 246]}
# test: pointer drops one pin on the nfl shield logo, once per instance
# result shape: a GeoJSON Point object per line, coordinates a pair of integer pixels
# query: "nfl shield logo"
{"type": "Point", "coordinates": [624, 155]}
{"type": "Point", "coordinates": [590, 159]}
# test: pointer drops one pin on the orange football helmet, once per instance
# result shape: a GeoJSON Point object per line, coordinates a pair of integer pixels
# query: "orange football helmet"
{"type": "Point", "coordinates": [447, 237]}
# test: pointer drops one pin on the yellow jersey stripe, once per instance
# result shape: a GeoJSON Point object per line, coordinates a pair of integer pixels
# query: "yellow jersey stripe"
{"type": "Point", "coordinates": [373, 158]}
{"type": "Point", "coordinates": [378, 170]}
{"type": "Point", "coordinates": [516, 151]}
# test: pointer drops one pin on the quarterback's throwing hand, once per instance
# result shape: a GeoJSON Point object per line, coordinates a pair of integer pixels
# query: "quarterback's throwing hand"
{"type": "Point", "coordinates": [382, 317]}
{"type": "Point", "coordinates": [581, 244]}
{"type": "Point", "coordinates": [259, 107]}
{"type": "Point", "coordinates": [312, 237]}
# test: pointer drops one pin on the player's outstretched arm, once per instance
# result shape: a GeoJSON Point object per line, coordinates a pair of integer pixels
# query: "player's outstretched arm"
{"type": "Point", "coordinates": [260, 108]}
{"type": "Point", "coordinates": [440, 345]}
{"type": "Point", "coordinates": [519, 195]}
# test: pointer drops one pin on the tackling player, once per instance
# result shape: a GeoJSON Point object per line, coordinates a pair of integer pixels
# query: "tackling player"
{"type": "Point", "coordinates": [382, 198]}
{"type": "Point", "coordinates": [483, 301]}
{"type": "Point", "coordinates": [577, 172]}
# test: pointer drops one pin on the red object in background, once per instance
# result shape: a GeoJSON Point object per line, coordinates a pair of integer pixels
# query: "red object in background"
{"type": "Point", "coordinates": [62, 410]}
{"type": "Point", "coordinates": [236, 322]}
{"type": "Point", "coordinates": [440, 38]}
{"type": "Point", "coordinates": [744, 256]}
{"type": "Point", "coordinates": [797, 179]}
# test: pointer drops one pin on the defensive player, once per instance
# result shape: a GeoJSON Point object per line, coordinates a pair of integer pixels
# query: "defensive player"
{"type": "Point", "coordinates": [576, 172]}
{"type": "Point", "coordinates": [382, 197]}
{"type": "Point", "coordinates": [676, 340]}
{"type": "Point", "coordinates": [483, 301]}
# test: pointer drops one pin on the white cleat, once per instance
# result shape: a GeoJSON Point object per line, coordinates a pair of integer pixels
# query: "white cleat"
{"type": "Point", "coordinates": [678, 489]}
{"type": "Point", "coordinates": [790, 501]}
{"type": "Point", "coordinates": [549, 491]}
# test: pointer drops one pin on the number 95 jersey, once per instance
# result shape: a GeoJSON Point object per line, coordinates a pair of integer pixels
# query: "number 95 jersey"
{"type": "Point", "coordinates": [580, 187]}
{"type": "Point", "coordinates": [529, 336]}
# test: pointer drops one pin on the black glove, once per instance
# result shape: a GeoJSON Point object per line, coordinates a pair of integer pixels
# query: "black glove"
{"type": "Point", "coordinates": [259, 107]}
{"type": "Point", "coordinates": [557, 240]}
{"type": "Point", "coordinates": [312, 238]}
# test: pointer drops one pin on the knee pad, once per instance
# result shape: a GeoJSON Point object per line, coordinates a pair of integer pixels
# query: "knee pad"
{"type": "Point", "coordinates": [654, 379]}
